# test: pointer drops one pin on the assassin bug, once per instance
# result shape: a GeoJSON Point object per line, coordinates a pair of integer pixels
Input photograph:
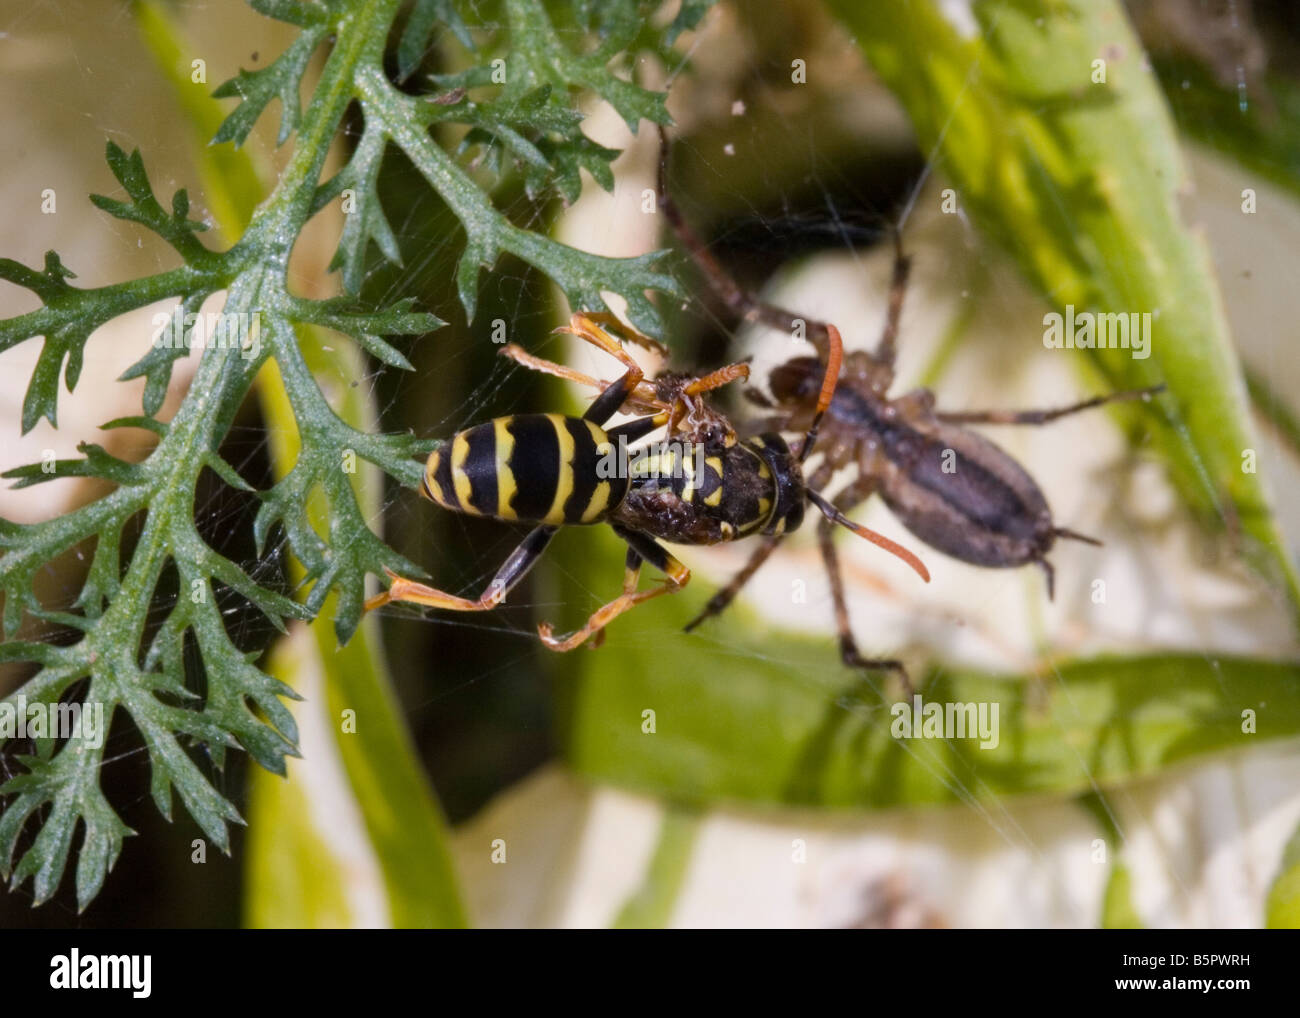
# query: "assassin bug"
{"type": "Point", "coordinates": [547, 469]}
{"type": "Point", "coordinates": [952, 488]}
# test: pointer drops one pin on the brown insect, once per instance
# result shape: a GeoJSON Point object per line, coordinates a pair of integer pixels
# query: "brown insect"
{"type": "Point", "coordinates": [952, 488]}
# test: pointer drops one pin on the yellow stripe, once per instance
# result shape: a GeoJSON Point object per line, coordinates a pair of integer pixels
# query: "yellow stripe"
{"type": "Point", "coordinates": [505, 445]}
{"type": "Point", "coordinates": [430, 469]}
{"type": "Point", "coordinates": [564, 469]}
{"type": "Point", "coordinates": [688, 473]}
{"type": "Point", "coordinates": [714, 463]}
{"type": "Point", "coordinates": [599, 436]}
{"type": "Point", "coordinates": [459, 454]}
{"type": "Point", "coordinates": [599, 500]}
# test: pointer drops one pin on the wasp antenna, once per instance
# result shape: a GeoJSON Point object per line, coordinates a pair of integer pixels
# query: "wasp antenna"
{"type": "Point", "coordinates": [879, 540]}
{"type": "Point", "coordinates": [833, 360]}
{"type": "Point", "coordinates": [1073, 536]}
{"type": "Point", "coordinates": [834, 357]}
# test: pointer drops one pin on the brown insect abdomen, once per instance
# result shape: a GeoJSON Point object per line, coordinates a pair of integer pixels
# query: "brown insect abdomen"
{"type": "Point", "coordinates": [964, 496]}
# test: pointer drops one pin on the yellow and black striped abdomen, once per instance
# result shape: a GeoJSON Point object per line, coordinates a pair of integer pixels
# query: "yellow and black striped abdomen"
{"type": "Point", "coordinates": [538, 468]}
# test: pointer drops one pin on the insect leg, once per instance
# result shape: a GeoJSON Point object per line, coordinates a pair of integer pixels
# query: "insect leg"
{"type": "Point", "coordinates": [1044, 416]}
{"type": "Point", "coordinates": [685, 406]}
{"type": "Point", "coordinates": [739, 300]}
{"type": "Point", "coordinates": [849, 652]}
{"type": "Point", "coordinates": [607, 319]}
{"type": "Point", "coordinates": [855, 494]}
{"type": "Point", "coordinates": [521, 356]}
{"type": "Point", "coordinates": [640, 548]}
{"type": "Point", "coordinates": [506, 579]}
{"type": "Point", "coordinates": [642, 398]}
{"type": "Point", "coordinates": [719, 279]}
{"type": "Point", "coordinates": [607, 404]}
{"type": "Point", "coordinates": [717, 379]}
{"type": "Point", "coordinates": [887, 348]}
{"type": "Point", "coordinates": [723, 284]}
{"type": "Point", "coordinates": [630, 431]}
{"type": "Point", "coordinates": [1050, 573]}
{"type": "Point", "coordinates": [718, 602]}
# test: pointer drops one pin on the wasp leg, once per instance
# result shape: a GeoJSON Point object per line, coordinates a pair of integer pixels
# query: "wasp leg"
{"type": "Point", "coordinates": [522, 559]}
{"type": "Point", "coordinates": [607, 404]}
{"type": "Point", "coordinates": [640, 547]}
{"type": "Point", "coordinates": [631, 431]}
{"type": "Point", "coordinates": [607, 319]}
{"type": "Point", "coordinates": [520, 356]}
{"type": "Point", "coordinates": [642, 398]}
{"type": "Point", "coordinates": [1044, 416]}
{"type": "Point", "coordinates": [719, 602]}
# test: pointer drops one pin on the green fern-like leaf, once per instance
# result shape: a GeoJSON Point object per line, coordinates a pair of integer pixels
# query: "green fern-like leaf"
{"type": "Point", "coordinates": [118, 662]}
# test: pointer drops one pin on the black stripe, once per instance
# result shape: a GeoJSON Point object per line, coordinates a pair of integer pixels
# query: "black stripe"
{"type": "Point", "coordinates": [608, 402]}
{"type": "Point", "coordinates": [535, 463]}
{"type": "Point", "coordinates": [585, 458]}
{"type": "Point", "coordinates": [481, 468]}
{"type": "Point", "coordinates": [740, 499]}
{"type": "Point", "coordinates": [446, 493]}
{"type": "Point", "coordinates": [632, 430]}
{"type": "Point", "coordinates": [646, 547]}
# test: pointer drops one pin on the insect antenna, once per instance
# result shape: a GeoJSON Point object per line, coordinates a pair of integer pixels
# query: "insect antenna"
{"type": "Point", "coordinates": [834, 356]}
{"type": "Point", "coordinates": [879, 540]}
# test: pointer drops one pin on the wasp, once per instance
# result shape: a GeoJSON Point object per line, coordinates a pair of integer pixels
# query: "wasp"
{"type": "Point", "coordinates": [954, 489]}
{"type": "Point", "coordinates": [703, 486]}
